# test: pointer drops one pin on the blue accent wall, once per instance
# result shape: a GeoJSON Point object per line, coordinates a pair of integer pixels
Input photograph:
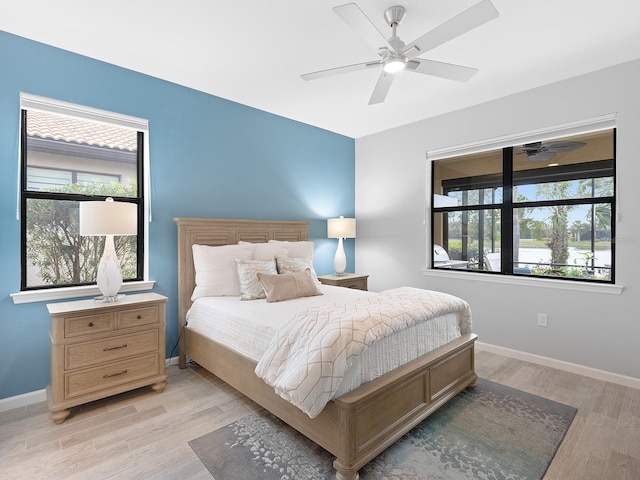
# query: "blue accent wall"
{"type": "Point", "coordinates": [210, 157]}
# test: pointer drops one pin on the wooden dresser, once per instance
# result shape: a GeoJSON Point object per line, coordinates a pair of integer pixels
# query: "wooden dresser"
{"type": "Point", "coordinates": [101, 349]}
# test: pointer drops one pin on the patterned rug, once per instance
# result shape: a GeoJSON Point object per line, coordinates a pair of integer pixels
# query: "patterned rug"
{"type": "Point", "coordinates": [493, 432]}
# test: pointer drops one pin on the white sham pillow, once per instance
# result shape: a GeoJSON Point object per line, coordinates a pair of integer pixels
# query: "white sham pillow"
{"type": "Point", "coordinates": [267, 251]}
{"type": "Point", "coordinates": [216, 270]}
{"type": "Point", "coordinates": [250, 287]}
{"type": "Point", "coordinates": [301, 249]}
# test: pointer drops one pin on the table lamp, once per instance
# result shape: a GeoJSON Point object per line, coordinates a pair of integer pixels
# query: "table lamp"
{"type": "Point", "coordinates": [108, 218]}
{"type": "Point", "coordinates": [341, 228]}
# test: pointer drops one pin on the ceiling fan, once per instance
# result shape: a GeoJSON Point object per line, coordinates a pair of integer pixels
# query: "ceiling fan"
{"type": "Point", "coordinates": [396, 56]}
{"type": "Point", "coordinates": [542, 152]}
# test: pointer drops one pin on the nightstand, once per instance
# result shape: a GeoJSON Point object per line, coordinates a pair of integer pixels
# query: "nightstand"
{"type": "Point", "coordinates": [102, 349]}
{"type": "Point", "coordinates": [348, 280]}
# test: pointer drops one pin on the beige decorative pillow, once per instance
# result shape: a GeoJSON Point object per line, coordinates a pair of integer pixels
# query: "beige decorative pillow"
{"type": "Point", "coordinates": [287, 286]}
{"type": "Point", "coordinates": [250, 288]}
{"type": "Point", "coordinates": [293, 265]}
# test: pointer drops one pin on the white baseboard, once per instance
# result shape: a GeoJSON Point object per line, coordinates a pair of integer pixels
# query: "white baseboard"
{"type": "Point", "coordinates": [561, 365]}
{"type": "Point", "coordinates": [23, 400]}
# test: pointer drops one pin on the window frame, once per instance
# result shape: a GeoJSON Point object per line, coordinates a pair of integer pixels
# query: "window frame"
{"type": "Point", "coordinates": [143, 199]}
{"type": "Point", "coordinates": [507, 206]}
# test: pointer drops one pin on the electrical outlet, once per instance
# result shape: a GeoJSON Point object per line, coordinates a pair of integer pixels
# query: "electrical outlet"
{"type": "Point", "coordinates": [542, 319]}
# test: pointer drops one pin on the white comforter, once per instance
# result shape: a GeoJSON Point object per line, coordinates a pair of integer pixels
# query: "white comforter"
{"type": "Point", "coordinates": [306, 361]}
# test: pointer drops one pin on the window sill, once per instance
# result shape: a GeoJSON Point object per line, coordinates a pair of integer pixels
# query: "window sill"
{"type": "Point", "coordinates": [607, 288]}
{"type": "Point", "coordinates": [31, 296]}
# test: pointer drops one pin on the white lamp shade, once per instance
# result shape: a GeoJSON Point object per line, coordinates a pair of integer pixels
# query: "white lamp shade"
{"type": "Point", "coordinates": [341, 227]}
{"type": "Point", "coordinates": [108, 218]}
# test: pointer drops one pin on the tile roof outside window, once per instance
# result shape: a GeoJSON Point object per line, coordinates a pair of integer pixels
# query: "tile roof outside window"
{"type": "Point", "coordinates": [58, 127]}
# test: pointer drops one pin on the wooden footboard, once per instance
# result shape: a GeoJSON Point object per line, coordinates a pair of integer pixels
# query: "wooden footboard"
{"type": "Point", "coordinates": [377, 414]}
{"type": "Point", "coordinates": [361, 424]}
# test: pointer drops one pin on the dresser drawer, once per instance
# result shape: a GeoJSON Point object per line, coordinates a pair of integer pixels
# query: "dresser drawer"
{"type": "Point", "coordinates": [356, 283]}
{"type": "Point", "coordinates": [138, 316]}
{"type": "Point", "coordinates": [88, 324]}
{"type": "Point", "coordinates": [110, 375]}
{"type": "Point", "coordinates": [99, 351]}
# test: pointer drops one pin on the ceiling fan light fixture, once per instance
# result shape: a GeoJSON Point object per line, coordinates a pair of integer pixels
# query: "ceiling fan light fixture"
{"type": "Point", "coordinates": [396, 56]}
{"type": "Point", "coordinates": [395, 64]}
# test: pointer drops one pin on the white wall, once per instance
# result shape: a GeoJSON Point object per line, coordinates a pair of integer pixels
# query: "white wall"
{"type": "Point", "coordinates": [597, 330]}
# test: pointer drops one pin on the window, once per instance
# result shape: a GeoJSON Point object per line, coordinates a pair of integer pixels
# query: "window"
{"type": "Point", "coordinates": [536, 208]}
{"type": "Point", "coordinates": [69, 154]}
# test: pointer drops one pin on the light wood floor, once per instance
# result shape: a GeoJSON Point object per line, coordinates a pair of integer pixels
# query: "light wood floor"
{"type": "Point", "coordinates": [144, 434]}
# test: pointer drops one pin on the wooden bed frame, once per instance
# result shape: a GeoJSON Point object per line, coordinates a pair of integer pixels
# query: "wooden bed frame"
{"type": "Point", "coordinates": [355, 427]}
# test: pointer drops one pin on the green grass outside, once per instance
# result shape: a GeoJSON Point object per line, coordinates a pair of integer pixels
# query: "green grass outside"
{"type": "Point", "coordinates": [582, 245]}
{"type": "Point", "coordinates": [530, 243]}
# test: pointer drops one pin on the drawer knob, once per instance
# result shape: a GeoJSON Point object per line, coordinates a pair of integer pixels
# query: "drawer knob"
{"type": "Point", "coordinates": [139, 317]}
{"type": "Point", "coordinates": [109, 375]}
{"type": "Point", "coordinates": [91, 324]}
{"type": "Point", "coordinates": [106, 349]}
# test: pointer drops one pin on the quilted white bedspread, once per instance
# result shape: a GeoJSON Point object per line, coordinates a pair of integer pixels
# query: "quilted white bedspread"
{"type": "Point", "coordinates": [307, 360]}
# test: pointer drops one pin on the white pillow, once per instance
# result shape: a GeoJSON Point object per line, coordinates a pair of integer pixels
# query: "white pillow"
{"type": "Point", "coordinates": [302, 249]}
{"type": "Point", "coordinates": [216, 271]}
{"type": "Point", "coordinates": [268, 251]}
{"type": "Point", "coordinates": [250, 288]}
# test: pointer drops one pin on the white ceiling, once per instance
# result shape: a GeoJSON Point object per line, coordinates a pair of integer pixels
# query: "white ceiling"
{"type": "Point", "coordinates": [254, 51]}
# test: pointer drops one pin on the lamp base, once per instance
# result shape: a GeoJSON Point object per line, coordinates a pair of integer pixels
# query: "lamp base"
{"type": "Point", "coordinates": [109, 298]}
{"type": "Point", "coordinates": [109, 278]}
{"type": "Point", "coordinates": [340, 259]}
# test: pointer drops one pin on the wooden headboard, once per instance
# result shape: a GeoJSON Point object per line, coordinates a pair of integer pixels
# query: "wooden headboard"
{"type": "Point", "coordinates": [216, 232]}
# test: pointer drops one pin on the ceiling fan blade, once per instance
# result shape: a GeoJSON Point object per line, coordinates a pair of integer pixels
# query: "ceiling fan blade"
{"type": "Point", "coordinates": [560, 146]}
{"type": "Point", "coordinates": [351, 14]}
{"type": "Point", "coordinates": [382, 88]}
{"type": "Point", "coordinates": [441, 69]}
{"type": "Point", "coordinates": [338, 70]}
{"type": "Point", "coordinates": [471, 18]}
{"type": "Point", "coordinates": [540, 156]}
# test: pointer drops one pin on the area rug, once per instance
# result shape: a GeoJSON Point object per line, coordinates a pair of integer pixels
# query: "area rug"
{"type": "Point", "coordinates": [493, 432]}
